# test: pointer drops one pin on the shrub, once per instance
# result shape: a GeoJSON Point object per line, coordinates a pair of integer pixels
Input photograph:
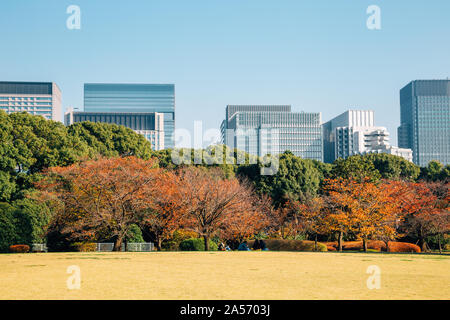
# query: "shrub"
{"type": "Point", "coordinates": [84, 246]}
{"type": "Point", "coordinates": [403, 247]}
{"type": "Point", "coordinates": [196, 244]}
{"type": "Point", "coordinates": [375, 246]}
{"type": "Point", "coordinates": [358, 245]}
{"type": "Point", "coordinates": [23, 221]}
{"type": "Point", "coordinates": [134, 234]}
{"type": "Point", "coordinates": [178, 236]}
{"type": "Point", "coordinates": [19, 248]}
{"type": "Point", "coordinates": [291, 245]}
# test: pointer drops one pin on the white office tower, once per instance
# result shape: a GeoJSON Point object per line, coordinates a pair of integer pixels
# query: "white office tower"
{"type": "Point", "coordinates": [354, 132]}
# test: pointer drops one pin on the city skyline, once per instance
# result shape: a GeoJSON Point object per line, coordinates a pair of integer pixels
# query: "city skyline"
{"type": "Point", "coordinates": [313, 56]}
{"type": "Point", "coordinates": [255, 129]}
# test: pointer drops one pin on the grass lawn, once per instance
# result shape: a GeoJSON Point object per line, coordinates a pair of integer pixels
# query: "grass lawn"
{"type": "Point", "coordinates": [224, 275]}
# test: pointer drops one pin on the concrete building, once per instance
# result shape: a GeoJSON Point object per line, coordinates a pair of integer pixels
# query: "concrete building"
{"type": "Point", "coordinates": [37, 98]}
{"type": "Point", "coordinates": [354, 132]}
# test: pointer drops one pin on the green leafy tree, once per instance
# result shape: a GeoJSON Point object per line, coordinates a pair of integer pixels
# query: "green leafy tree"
{"type": "Point", "coordinates": [8, 234]}
{"type": "Point", "coordinates": [435, 171]}
{"type": "Point", "coordinates": [111, 140]}
{"type": "Point", "coordinates": [393, 167]}
{"type": "Point", "coordinates": [295, 179]}
{"type": "Point", "coordinates": [31, 220]}
{"type": "Point", "coordinates": [22, 222]}
{"type": "Point", "coordinates": [7, 186]}
{"type": "Point", "coordinates": [355, 167]}
{"type": "Point", "coordinates": [134, 234]}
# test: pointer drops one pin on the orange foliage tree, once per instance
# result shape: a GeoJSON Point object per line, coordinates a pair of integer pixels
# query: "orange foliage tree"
{"type": "Point", "coordinates": [283, 220]}
{"type": "Point", "coordinates": [312, 215]}
{"type": "Point", "coordinates": [427, 210]}
{"type": "Point", "coordinates": [213, 202]}
{"type": "Point", "coordinates": [246, 223]}
{"type": "Point", "coordinates": [418, 204]}
{"type": "Point", "coordinates": [166, 208]}
{"type": "Point", "coordinates": [103, 196]}
{"type": "Point", "coordinates": [363, 208]}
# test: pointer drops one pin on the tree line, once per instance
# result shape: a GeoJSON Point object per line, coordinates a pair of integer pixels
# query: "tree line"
{"type": "Point", "coordinates": [96, 181]}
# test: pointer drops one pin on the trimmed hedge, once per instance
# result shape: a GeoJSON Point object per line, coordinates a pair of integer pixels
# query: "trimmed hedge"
{"type": "Point", "coordinates": [403, 247]}
{"type": "Point", "coordinates": [290, 245]}
{"type": "Point", "coordinates": [19, 248]}
{"type": "Point", "coordinates": [197, 244]}
{"type": "Point", "coordinates": [84, 246]}
{"type": "Point", "coordinates": [374, 245]}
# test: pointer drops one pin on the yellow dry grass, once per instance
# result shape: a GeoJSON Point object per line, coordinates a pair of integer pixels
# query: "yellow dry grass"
{"type": "Point", "coordinates": [224, 275]}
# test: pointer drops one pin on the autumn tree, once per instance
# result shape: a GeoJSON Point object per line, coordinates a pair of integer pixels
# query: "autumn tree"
{"type": "Point", "coordinates": [373, 211]}
{"type": "Point", "coordinates": [165, 211]}
{"type": "Point", "coordinates": [311, 216]}
{"type": "Point", "coordinates": [102, 196]}
{"type": "Point", "coordinates": [294, 217]}
{"type": "Point", "coordinates": [212, 199]}
{"type": "Point", "coordinates": [364, 208]}
{"type": "Point", "coordinates": [246, 223]}
{"type": "Point", "coordinates": [426, 208]}
{"type": "Point", "coordinates": [441, 220]}
{"type": "Point", "coordinates": [418, 204]}
{"type": "Point", "coordinates": [337, 211]}
{"type": "Point", "coordinates": [282, 220]}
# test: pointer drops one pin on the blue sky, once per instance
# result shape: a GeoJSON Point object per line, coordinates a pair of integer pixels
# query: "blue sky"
{"type": "Point", "coordinates": [314, 55]}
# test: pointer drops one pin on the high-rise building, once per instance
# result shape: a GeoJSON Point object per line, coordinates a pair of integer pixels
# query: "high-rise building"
{"type": "Point", "coordinates": [425, 120]}
{"type": "Point", "coordinates": [134, 98]}
{"type": "Point", "coordinates": [37, 98]}
{"type": "Point", "coordinates": [150, 125]}
{"type": "Point", "coordinates": [261, 130]}
{"type": "Point", "coordinates": [354, 132]}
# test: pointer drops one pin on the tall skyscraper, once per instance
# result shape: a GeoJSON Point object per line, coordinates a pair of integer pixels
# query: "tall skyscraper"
{"type": "Point", "coordinates": [425, 120]}
{"type": "Point", "coordinates": [354, 132]}
{"type": "Point", "coordinates": [37, 98]}
{"type": "Point", "coordinates": [261, 130]}
{"type": "Point", "coordinates": [150, 125]}
{"type": "Point", "coordinates": [134, 98]}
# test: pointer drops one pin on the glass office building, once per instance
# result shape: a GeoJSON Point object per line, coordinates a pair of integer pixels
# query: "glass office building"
{"type": "Point", "coordinates": [134, 98]}
{"type": "Point", "coordinates": [425, 120]}
{"type": "Point", "coordinates": [37, 98]}
{"type": "Point", "coordinates": [150, 125]}
{"type": "Point", "coordinates": [261, 130]}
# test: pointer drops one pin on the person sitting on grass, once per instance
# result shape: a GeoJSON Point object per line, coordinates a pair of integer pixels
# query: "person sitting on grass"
{"type": "Point", "coordinates": [243, 246]}
{"type": "Point", "coordinates": [221, 247]}
{"type": "Point", "coordinates": [256, 245]}
{"type": "Point", "coordinates": [262, 245]}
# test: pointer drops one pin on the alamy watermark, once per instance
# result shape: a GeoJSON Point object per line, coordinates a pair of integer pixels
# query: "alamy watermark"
{"type": "Point", "coordinates": [374, 280]}
{"type": "Point", "coordinates": [263, 141]}
{"type": "Point", "coordinates": [73, 282]}
{"type": "Point", "coordinates": [374, 19]}
{"type": "Point", "coordinates": [73, 22]}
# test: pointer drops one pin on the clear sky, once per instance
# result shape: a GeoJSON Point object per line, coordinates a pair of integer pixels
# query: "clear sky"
{"type": "Point", "coordinates": [317, 55]}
